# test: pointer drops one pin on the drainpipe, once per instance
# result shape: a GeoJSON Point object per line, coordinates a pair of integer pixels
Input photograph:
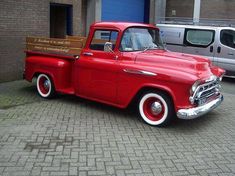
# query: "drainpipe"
{"type": "Point", "coordinates": [160, 10]}
{"type": "Point", "coordinates": [196, 11]}
{"type": "Point", "coordinates": [98, 9]}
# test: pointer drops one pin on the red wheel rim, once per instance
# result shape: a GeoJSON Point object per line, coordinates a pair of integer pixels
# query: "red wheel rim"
{"type": "Point", "coordinates": [43, 85]}
{"type": "Point", "coordinates": [148, 111]}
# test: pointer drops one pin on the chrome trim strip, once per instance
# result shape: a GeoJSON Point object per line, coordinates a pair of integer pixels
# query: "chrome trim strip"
{"type": "Point", "coordinates": [139, 72]}
{"type": "Point", "coordinates": [87, 54]}
{"type": "Point", "coordinates": [192, 113]}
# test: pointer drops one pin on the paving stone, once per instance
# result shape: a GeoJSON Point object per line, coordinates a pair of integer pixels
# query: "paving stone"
{"type": "Point", "coordinates": [73, 170]}
{"type": "Point", "coordinates": [72, 136]}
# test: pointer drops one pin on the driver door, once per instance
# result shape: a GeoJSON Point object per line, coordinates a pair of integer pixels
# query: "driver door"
{"type": "Point", "coordinates": [97, 69]}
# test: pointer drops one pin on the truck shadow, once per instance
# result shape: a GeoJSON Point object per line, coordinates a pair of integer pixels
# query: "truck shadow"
{"type": "Point", "coordinates": [228, 85]}
{"type": "Point", "coordinates": [193, 125]}
{"type": "Point", "coordinates": [229, 80]}
{"type": "Point", "coordinates": [94, 106]}
{"type": "Point", "coordinates": [131, 115]}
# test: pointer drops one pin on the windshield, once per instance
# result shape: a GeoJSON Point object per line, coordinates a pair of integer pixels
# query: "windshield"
{"type": "Point", "coordinates": [141, 39]}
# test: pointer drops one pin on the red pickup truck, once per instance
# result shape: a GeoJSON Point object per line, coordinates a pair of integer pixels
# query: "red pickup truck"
{"type": "Point", "coordinates": [124, 63]}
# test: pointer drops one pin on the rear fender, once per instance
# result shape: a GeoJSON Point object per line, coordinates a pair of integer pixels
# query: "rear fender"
{"type": "Point", "coordinates": [59, 70]}
{"type": "Point", "coordinates": [37, 72]}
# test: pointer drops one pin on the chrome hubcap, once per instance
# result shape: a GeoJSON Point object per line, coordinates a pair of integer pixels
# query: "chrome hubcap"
{"type": "Point", "coordinates": [156, 108]}
{"type": "Point", "coordinates": [46, 84]}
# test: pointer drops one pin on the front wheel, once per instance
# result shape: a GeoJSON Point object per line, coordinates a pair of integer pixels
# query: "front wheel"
{"type": "Point", "coordinates": [156, 108]}
{"type": "Point", "coordinates": [45, 86]}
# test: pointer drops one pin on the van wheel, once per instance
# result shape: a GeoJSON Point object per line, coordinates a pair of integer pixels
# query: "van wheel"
{"type": "Point", "coordinates": [156, 108]}
{"type": "Point", "coordinates": [45, 86]}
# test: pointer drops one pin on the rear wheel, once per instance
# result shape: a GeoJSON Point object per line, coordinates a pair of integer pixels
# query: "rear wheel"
{"type": "Point", "coordinates": [156, 108]}
{"type": "Point", "coordinates": [45, 86]}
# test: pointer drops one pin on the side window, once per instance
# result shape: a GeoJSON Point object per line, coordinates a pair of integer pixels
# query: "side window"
{"type": "Point", "coordinates": [101, 37]}
{"type": "Point", "coordinates": [227, 38]}
{"type": "Point", "coordinates": [198, 37]}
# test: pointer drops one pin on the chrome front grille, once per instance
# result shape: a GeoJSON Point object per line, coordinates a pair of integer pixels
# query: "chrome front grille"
{"type": "Point", "coordinates": [205, 92]}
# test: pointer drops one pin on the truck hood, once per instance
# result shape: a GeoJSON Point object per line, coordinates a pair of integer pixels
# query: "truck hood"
{"type": "Point", "coordinates": [190, 64]}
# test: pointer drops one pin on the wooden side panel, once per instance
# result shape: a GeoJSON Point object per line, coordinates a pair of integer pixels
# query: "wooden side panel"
{"type": "Point", "coordinates": [54, 45]}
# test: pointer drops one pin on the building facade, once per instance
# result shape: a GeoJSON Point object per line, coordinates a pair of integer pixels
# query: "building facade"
{"type": "Point", "coordinates": [21, 18]}
{"type": "Point", "coordinates": [209, 9]}
{"type": "Point", "coordinates": [121, 10]}
{"type": "Point", "coordinates": [58, 18]}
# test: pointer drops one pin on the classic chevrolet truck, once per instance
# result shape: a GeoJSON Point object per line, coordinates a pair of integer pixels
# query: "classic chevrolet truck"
{"type": "Point", "coordinates": [124, 63]}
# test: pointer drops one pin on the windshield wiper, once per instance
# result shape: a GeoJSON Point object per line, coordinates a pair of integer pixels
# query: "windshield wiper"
{"type": "Point", "coordinates": [150, 47]}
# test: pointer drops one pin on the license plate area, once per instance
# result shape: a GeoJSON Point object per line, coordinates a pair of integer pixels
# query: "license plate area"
{"type": "Point", "coordinates": [205, 100]}
{"type": "Point", "coordinates": [202, 101]}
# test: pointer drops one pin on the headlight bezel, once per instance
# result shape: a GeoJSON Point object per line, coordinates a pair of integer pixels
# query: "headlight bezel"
{"type": "Point", "coordinates": [194, 87]}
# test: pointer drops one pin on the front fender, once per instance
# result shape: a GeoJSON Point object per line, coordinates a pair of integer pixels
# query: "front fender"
{"type": "Point", "coordinates": [149, 86]}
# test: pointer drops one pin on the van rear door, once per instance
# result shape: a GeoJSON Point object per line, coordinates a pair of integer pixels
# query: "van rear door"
{"type": "Point", "coordinates": [200, 42]}
{"type": "Point", "coordinates": [225, 51]}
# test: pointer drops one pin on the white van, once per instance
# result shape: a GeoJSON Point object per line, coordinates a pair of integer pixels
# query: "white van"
{"type": "Point", "coordinates": [216, 43]}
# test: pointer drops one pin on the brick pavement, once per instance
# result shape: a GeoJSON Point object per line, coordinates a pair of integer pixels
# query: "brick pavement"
{"type": "Point", "coordinates": [73, 136]}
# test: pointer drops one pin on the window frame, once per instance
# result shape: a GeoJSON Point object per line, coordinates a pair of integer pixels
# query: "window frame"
{"type": "Point", "coordinates": [110, 30]}
{"type": "Point", "coordinates": [187, 43]}
{"type": "Point", "coordinates": [141, 27]}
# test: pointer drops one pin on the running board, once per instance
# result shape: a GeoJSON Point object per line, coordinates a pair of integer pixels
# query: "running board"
{"type": "Point", "coordinates": [70, 91]}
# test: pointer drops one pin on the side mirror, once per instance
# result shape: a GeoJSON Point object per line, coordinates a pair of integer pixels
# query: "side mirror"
{"type": "Point", "coordinates": [108, 47]}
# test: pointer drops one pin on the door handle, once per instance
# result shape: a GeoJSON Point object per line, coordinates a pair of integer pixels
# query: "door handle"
{"type": "Point", "coordinates": [76, 56]}
{"type": "Point", "coordinates": [88, 54]}
{"type": "Point", "coordinates": [230, 54]}
{"type": "Point", "coordinates": [218, 49]}
{"type": "Point", "coordinates": [116, 57]}
{"type": "Point", "coordinates": [211, 49]}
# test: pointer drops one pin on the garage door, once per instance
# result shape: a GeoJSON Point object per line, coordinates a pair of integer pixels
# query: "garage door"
{"type": "Point", "coordinates": [125, 10]}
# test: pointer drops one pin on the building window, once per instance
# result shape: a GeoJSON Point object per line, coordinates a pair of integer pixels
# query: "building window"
{"type": "Point", "coordinates": [227, 38]}
{"type": "Point", "coordinates": [101, 37]}
{"type": "Point", "coordinates": [60, 20]}
{"type": "Point", "coordinates": [199, 38]}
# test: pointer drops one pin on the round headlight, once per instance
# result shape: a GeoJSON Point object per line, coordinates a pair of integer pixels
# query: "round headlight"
{"type": "Point", "coordinates": [194, 87]}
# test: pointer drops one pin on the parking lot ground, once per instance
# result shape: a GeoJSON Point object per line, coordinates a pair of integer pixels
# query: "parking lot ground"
{"type": "Point", "coordinates": [72, 136]}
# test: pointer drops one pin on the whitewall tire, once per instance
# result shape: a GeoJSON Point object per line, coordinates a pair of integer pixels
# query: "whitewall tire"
{"type": "Point", "coordinates": [45, 86]}
{"type": "Point", "coordinates": [156, 108]}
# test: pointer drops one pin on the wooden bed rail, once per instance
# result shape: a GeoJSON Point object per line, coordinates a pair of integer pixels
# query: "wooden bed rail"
{"type": "Point", "coordinates": [69, 46]}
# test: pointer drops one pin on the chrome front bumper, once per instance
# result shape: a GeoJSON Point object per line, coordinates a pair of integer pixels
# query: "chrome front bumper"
{"type": "Point", "coordinates": [199, 111]}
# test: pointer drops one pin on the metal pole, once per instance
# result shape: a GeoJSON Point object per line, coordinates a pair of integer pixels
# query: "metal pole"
{"type": "Point", "coordinates": [196, 11]}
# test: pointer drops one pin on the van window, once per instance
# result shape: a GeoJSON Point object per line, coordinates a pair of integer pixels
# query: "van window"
{"type": "Point", "coordinates": [227, 38]}
{"type": "Point", "coordinates": [101, 37]}
{"type": "Point", "coordinates": [198, 37]}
